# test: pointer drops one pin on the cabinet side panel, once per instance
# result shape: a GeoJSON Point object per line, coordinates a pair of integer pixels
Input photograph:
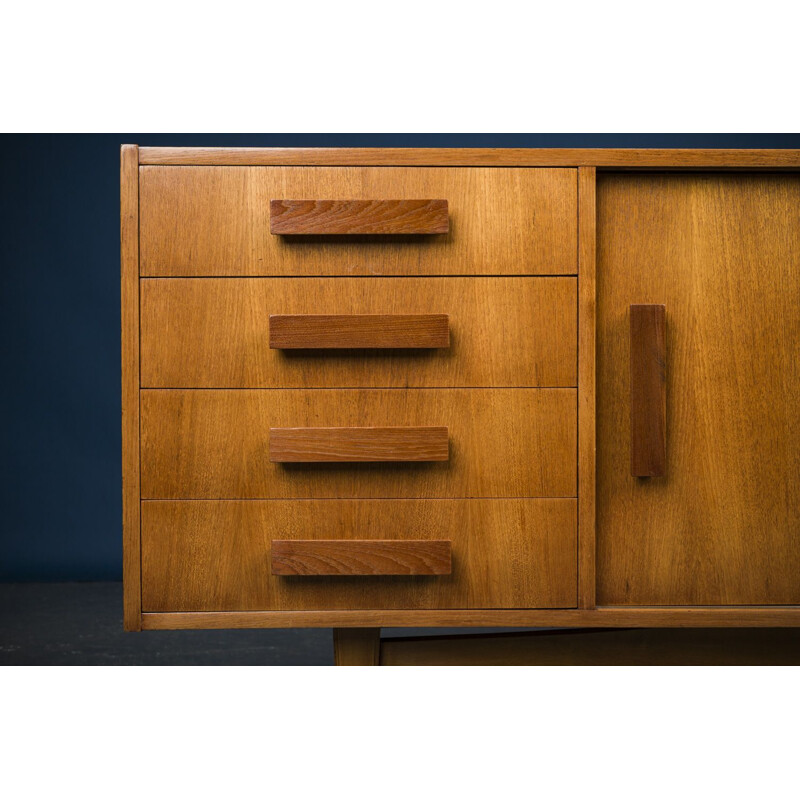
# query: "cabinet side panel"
{"type": "Point", "coordinates": [129, 296]}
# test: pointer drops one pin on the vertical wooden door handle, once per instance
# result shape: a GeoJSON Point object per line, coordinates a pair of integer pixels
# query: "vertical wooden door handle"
{"type": "Point", "coordinates": [648, 391]}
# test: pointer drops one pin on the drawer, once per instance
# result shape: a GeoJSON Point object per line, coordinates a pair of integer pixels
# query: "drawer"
{"type": "Point", "coordinates": [216, 555]}
{"type": "Point", "coordinates": [215, 333]}
{"type": "Point", "coordinates": [196, 221]}
{"type": "Point", "coordinates": [216, 443]}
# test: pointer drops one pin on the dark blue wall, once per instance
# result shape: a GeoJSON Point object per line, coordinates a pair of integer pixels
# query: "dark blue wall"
{"type": "Point", "coordinates": [60, 517]}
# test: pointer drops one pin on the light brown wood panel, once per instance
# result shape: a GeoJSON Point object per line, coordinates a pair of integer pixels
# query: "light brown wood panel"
{"type": "Point", "coordinates": [586, 386]}
{"type": "Point", "coordinates": [614, 617]}
{"type": "Point", "coordinates": [215, 221]}
{"type": "Point", "coordinates": [362, 331]}
{"type": "Point", "coordinates": [356, 647]}
{"type": "Point", "coordinates": [214, 555]}
{"type": "Point", "coordinates": [129, 295]}
{"type": "Point", "coordinates": [722, 252]}
{"type": "Point", "coordinates": [338, 217]}
{"type": "Point", "coordinates": [335, 445]}
{"type": "Point", "coordinates": [613, 157]}
{"type": "Point", "coordinates": [213, 332]}
{"type": "Point", "coordinates": [678, 647]}
{"type": "Point", "coordinates": [360, 557]}
{"type": "Point", "coordinates": [214, 444]}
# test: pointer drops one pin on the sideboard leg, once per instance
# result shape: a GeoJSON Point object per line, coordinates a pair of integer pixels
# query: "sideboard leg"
{"type": "Point", "coordinates": [356, 647]}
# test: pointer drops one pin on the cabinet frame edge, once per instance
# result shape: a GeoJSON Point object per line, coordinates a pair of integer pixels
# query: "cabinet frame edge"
{"type": "Point", "coordinates": [601, 158]}
{"type": "Point", "coordinates": [586, 386]}
{"type": "Point", "coordinates": [129, 302]}
{"type": "Point", "coordinates": [601, 617]}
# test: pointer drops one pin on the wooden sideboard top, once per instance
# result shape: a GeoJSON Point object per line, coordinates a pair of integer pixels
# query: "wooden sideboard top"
{"type": "Point", "coordinates": [603, 158]}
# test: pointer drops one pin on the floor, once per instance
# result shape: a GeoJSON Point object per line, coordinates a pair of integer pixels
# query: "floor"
{"type": "Point", "coordinates": [81, 623]}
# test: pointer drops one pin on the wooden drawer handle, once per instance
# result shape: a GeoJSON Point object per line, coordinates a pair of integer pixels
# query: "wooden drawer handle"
{"type": "Point", "coordinates": [287, 445]}
{"type": "Point", "coordinates": [348, 217]}
{"type": "Point", "coordinates": [648, 391]}
{"type": "Point", "coordinates": [350, 331]}
{"type": "Point", "coordinates": [361, 557]}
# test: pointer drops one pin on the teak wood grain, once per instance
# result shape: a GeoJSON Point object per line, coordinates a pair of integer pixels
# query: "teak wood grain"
{"type": "Point", "coordinates": [356, 647]}
{"type": "Point", "coordinates": [360, 557]}
{"type": "Point", "coordinates": [601, 617]}
{"type": "Point", "coordinates": [362, 331]}
{"type": "Point", "coordinates": [722, 253]}
{"type": "Point", "coordinates": [213, 332]}
{"type": "Point", "coordinates": [347, 217]}
{"type": "Point", "coordinates": [723, 247]}
{"type": "Point", "coordinates": [608, 157]}
{"type": "Point", "coordinates": [206, 221]}
{"type": "Point", "coordinates": [129, 295]}
{"type": "Point", "coordinates": [648, 391]}
{"type": "Point", "coordinates": [215, 555]}
{"type": "Point", "coordinates": [215, 444]}
{"type": "Point", "coordinates": [358, 444]}
{"type": "Point", "coordinates": [587, 238]}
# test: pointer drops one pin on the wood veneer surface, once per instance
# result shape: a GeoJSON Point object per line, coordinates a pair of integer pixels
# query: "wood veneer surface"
{"type": "Point", "coordinates": [215, 555]}
{"type": "Point", "coordinates": [214, 332]}
{"type": "Point", "coordinates": [722, 253]}
{"type": "Point", "coordinates": [215, 221]}
{"type": "Point", "coordinates": [215, 443]}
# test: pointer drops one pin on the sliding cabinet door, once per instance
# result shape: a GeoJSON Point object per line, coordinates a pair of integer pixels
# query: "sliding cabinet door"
{"type": "Point", "coordinates": [698, 389]}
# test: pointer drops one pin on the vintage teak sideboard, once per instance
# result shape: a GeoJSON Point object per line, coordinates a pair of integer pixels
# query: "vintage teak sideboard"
{"type": "Point", "coordinates": [436, 387]}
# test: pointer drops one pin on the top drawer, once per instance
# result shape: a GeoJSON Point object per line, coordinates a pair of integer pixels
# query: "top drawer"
{"type": "Point", "coordinates": [216, 221]}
